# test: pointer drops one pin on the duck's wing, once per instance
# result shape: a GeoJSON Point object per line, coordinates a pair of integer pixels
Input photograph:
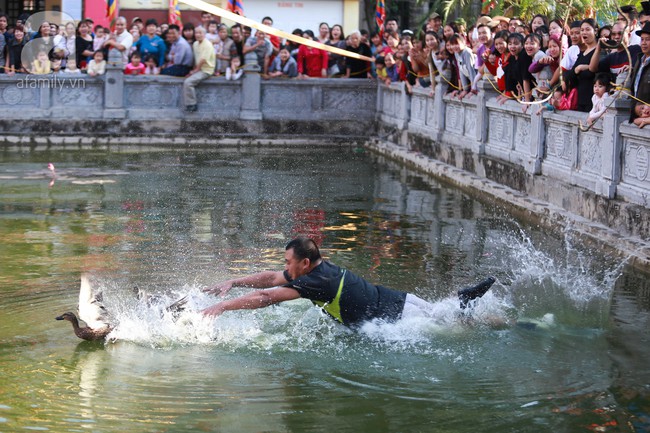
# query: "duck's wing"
{"type": "Point", "coordinates": [91, 308]}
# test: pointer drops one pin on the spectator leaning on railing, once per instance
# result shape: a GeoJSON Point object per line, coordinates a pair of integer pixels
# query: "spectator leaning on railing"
{"type": "Point", "coordinates": [179, 58]}
{"type": "Point", "coordinates": [121, 40]}
{"type": "Point", "coordinates": [151, 44]}
{"type": "Point", "coordinates": [204, 61]}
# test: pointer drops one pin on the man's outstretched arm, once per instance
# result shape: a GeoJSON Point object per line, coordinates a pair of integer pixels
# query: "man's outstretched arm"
{"type": "Point", "coordinates": [253, 300]}
{"type": "Point", "coordinates": [261, 280]}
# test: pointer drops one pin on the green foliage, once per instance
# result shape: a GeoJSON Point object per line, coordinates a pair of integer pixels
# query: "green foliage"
{"type": "Point", "coordinates": [526, 9]}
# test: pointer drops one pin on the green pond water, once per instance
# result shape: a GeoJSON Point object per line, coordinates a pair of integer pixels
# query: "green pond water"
{"type": "Point", "coordinates": [571, 354]}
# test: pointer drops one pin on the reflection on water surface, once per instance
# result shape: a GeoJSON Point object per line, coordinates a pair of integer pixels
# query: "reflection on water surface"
{"type": "Point", "coordinates": [172, 222]}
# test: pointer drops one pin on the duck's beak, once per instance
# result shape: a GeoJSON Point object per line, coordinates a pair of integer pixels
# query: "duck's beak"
{"type": "Point", "coordinates": [59, 318]}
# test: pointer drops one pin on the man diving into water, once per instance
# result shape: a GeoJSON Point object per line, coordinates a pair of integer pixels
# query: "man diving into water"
{"type": "Point", "coordinates": [344, 296]}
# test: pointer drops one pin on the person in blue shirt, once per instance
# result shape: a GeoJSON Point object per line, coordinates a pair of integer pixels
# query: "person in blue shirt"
{"type": "Point", "coordinates": [180, 57]}
{"type": "Point", "coordinates": [151, 43]}
{"type": "Point", "coordinates": [346, 297]}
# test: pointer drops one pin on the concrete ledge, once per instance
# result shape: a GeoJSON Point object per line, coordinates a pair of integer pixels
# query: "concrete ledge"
{"type": "Point", "coordinates": [555, 218]}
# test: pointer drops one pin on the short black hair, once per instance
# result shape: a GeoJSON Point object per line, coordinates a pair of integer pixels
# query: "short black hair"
{"type": "Point", "coordinates": [268, 18]}
{"type": "Point", "coordinates": [174, 27]}
{"type": "Point", "coordinates": [151, 21]}
{"type": "Point", "coordinates": [603, 78]}
{"type": "Point", "coordinates": [304, 248]}
{"type": "Point", "coordinates": [630, 11]}
{"type": "Point", "coordinates": [517, 36]}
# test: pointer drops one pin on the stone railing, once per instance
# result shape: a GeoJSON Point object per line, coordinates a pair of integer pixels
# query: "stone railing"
{"type": "Point", "coordinates": [611, 159]}
{"type": "Point", "coordinates": [119, 104]}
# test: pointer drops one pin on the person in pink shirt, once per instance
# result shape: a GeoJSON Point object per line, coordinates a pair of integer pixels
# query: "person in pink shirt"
{"type": "Point", "coordinates": [135, 66]}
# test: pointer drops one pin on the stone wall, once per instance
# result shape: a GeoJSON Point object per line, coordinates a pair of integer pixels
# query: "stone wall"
{"type": "Point", "coordinates": [147, 108]}
{"type": "Point", "coordinates": [600, 174]}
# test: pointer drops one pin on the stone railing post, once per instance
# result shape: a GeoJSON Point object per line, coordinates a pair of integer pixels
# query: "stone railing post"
{"type": "Point", "coordinates": [537, 141]}
{"type": "Point", "coordinates": [612, 142]}
{"type": "Point", "coordinates": [251, 92]}
{"type": "Point", "coordinates": [485, 92]}
{"type": "Point", "coordinates": [114, 86]}
{"type": "Point", "coordinates": [405, 107]}
{"type": "Point", "coordinates": [439, 108]}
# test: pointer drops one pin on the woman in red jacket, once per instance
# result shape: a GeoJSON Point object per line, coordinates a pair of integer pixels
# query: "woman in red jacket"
{"type": "Point", "coordinates": [312, 62]}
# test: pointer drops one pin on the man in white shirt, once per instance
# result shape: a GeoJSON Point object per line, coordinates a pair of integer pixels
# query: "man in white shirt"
{"type": "Point", "coordinates": [121, 40]}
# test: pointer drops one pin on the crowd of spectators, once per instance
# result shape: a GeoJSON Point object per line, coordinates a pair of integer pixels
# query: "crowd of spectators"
{"type": "Point", "coordinates": [546, 63]}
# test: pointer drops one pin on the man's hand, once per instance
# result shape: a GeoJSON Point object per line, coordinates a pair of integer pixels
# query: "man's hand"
{"type": "Point", "coordinates": [214, 310]}
{"type": "Point", "coordinates": [219, 289]}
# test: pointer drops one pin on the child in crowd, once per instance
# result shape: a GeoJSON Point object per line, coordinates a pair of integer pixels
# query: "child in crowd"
{"type": "Point", "coordinates": [552, 104]}
{"type": "Point", "coordinates": [380, 68]}
{"type": "Point", "coordinates": [151, 66]}
{"type": "Point", "coordinates": [212, 34]}
{"type": "Point", "coordinates": [442, 61]}
{"type": "Point", "coordinates": [642, 113]}
{"type": "Point", "coordinates": [135, 66]}
{"type": "Point", "coordinates": [601, 87]}
{"type": "Point", "coordinates": [41, 64]}
{"type": "Point", "coordinates": [392, 71]}
{"type": "Point", "coordinates": [569, 99]}
{"type": "Point", "coordinates": [542, 75]}
{"type": "Point", "coordinates": [101, 36]}
{"type": "Point", "coordinates": [56, 63]}
{"type": "Point", "coordinates": [465, 59]}
{"type": "Point", "coordinates": [234, 71]}
{"type": "Point", "coordinates": [97, 66]}
{"type": "Point", "coordinates": [71, 66]}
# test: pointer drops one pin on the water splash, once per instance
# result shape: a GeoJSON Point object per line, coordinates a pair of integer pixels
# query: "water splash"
{"type": "Point", "coordinates": [560, 279]}
{"type": "Point", "coordinates": [548, 287]}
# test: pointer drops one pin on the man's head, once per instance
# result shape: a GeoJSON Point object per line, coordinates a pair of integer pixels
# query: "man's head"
{"type": "Point", "coordinates": [120, 25]}
{"type": "Point", "coordinates": [436, 21]}
{"type": "Point", "coordinates": [619, 33]}
{"type": "Point", "coordinates": [267, 21]}
{"type": "Point", "coordinates": [301, 256]}
{"type": "Point", "coordinates": [391, 25]}
{"type": "Point", "coordinates": [485, 35]}
{"type": "Point", "coordinates": [644, 34]}
{"type": "Point", "coordinates": [235, 32]}
{"type": "Point", "coordinates": [4, 22]}
{"type": "Point", "coordinates": [644, 14]}
{"type": "Point", "coordinates": [206, 17]}
{"type": "Point", "coordinates": [513, 23]}
{"type": "Point", "coordinates": [173, 33]}
{"type": "Point", "coordinates": [199, 33]}
{"type": "Point", "coordinates": [629, 14]}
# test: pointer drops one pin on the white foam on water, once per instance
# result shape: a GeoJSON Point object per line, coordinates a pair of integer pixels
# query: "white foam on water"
{"type": "Point", "coordinates": [531, 284]}
{"type": "Point", "coordinates": [579, 275]}
{"type": "Point", "coordinates": [295, 326]}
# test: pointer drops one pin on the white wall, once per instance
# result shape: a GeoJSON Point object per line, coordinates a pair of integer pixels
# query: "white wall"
{"type": "Point", "coordinates": [290, 14]}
